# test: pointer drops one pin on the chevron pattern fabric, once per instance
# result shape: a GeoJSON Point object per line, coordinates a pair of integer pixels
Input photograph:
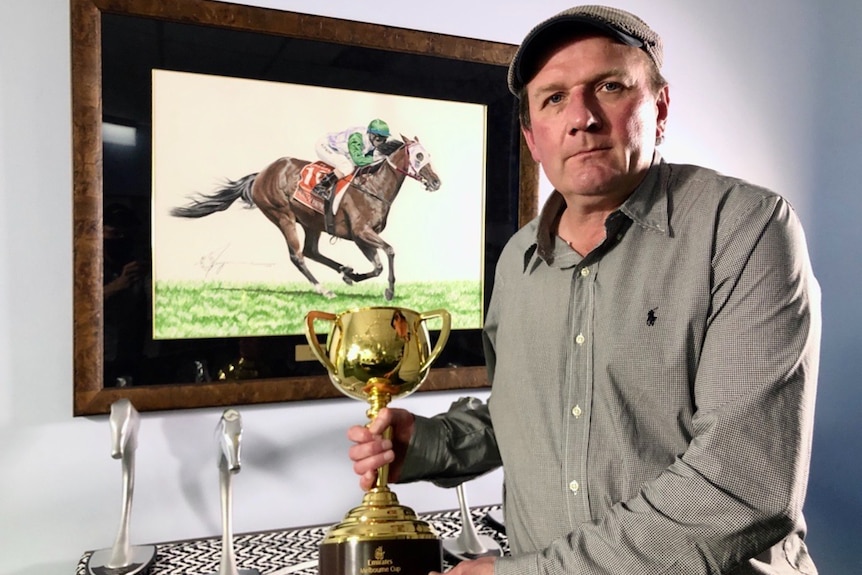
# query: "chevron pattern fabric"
{"type": "Point", "coordinates": [270, 551]}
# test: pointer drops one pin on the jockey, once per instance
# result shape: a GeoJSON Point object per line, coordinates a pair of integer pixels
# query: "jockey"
{"type": "Point", "coordinates": [345, 151]}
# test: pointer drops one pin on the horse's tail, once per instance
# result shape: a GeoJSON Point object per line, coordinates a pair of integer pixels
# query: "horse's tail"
{"type": "Point", "coordinates": [220, 200]}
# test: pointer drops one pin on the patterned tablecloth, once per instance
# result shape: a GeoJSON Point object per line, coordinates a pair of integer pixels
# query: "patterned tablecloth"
{"type": "Point", "coordinates": [270, 551]}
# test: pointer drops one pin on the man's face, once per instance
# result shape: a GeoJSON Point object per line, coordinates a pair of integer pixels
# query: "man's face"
{"type": "Point", "coordinates": [594, 118]}
{"type": "Point", "coordinates": [375, 139]}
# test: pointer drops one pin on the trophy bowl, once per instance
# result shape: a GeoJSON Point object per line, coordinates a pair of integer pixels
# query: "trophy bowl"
{"type": "Point", "coordinates": [377, 354]}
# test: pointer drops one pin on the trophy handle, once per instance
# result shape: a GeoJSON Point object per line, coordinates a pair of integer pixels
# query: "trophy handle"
{"type": "Point", "coordinates": [311, 336]}
{"type": "Point", "coordinates": [444, 332]}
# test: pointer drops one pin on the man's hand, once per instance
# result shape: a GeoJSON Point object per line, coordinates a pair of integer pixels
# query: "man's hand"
{"type": "Point", "coordinates": [371, 451]}
{"type": "Point", "coordinates": [130, 275]}
{"type": "Point", "coordinates": [481, 566]}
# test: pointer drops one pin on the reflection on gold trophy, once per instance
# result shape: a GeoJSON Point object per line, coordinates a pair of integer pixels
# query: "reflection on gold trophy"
{"type": "Point", "coordinates": [377, 354]}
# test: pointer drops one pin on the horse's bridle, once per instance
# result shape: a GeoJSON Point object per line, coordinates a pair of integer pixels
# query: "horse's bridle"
{"type": "Point", "coordinates": [407, 173]}
{"type": "Point", "coordinates": [399, 170]}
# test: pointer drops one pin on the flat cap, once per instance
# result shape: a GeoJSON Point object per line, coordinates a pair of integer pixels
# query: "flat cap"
{"type": "Point", "coordinates": [618, 24]}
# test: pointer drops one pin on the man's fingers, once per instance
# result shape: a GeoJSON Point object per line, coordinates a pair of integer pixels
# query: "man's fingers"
{"type": "Point", "coordinates": [379, 424]}
{"type": "Point", "coordinates": [359, 434]}
{"type": "Point", "coordinates": [368, 480]}
{"type": "Point", "coordinates": [368, 449]}
{"type": "Point", "coordinates": [371, 451]}
{"type": "Point", "coordinates": [368, 477]}
{"type": "Point", "coordinates": [370, 458]}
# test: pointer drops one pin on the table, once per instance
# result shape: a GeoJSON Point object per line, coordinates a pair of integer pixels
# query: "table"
{"type": "Point", "coordinates": [269, 551]}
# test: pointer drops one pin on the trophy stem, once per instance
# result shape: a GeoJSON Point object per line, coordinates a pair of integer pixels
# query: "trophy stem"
{"type": "Point", "coordinates": [379, 396]}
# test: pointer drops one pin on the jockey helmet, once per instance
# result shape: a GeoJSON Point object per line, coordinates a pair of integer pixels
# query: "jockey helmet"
{"type": "Point", "coordinates": [378, 128]}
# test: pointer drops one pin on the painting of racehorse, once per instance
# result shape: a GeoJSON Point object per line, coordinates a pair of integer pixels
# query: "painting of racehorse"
{"type": "Point", "coordinates": [240, 241]}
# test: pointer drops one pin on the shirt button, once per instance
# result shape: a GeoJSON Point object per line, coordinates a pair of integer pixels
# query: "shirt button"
{"type": "Point", "coordinates": [585, 272]}
{"type": "Point", "coordinates": [574, 486]}
{"type": "Point", "coordinates": [576, 411]}
{"type": "Point", "coordinates": [580, 339]}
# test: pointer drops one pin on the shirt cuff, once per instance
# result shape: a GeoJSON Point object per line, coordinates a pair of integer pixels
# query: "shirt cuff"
{"type": "Point", "coordinates": [423, 452]}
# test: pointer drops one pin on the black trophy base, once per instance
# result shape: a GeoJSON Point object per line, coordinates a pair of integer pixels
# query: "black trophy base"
{"type": "Point", "coordinates": [381, 557]}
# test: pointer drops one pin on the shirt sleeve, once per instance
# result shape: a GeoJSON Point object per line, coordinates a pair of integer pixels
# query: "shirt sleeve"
{"type": "Point", "coordinates": [454, 447]}
{"type": "Point", "coordinates": [451, 448]}
{"type": "Point", "coordinates": [356, 147]}
{"type": "Point", "coordinates": [739, 487]}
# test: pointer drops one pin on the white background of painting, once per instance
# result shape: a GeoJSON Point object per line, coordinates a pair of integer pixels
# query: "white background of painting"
{"type": "Point", "coordinates": [209, 128]}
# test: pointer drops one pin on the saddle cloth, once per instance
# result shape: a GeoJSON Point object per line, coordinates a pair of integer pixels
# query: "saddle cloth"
{"type": "Point", "coordinates": [309, 177]}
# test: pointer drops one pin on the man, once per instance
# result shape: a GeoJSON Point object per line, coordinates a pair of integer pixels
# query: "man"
{"type": "Point", "coordinates": [652, 341]}
{"type": "Point", "coordinates": [125, 295]}
{"type": "Point", "coordinates": [346, 151]}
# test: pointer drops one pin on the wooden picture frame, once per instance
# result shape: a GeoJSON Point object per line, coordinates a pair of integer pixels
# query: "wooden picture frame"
{"type": "Point", "coordinates": [448, 64]}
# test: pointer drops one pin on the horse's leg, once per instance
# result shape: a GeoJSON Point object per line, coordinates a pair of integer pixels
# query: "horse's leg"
{"type": "Point", "coordinates": [370, 253]}
{"type": "Point", "coordinates": [369, 243]}
{"type": "Point", "coordinates": [311, 249]}
{"type": "Point", "coordinates": [269, 193]}
{"type": "Point", "coordinates": [344, 219]}
{"type": "Point", "coordinates": [357, 228]}
{"type": "Point", "coordinates": [390, 254]}
{"type": "Point", "coordinates": [288, 229]}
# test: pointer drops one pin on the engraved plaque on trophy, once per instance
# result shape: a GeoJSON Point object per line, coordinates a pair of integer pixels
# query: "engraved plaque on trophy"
{"type": "Point", "coordinates": [378, 354]}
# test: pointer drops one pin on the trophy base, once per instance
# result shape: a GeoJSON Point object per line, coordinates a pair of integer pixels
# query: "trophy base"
{"type": "Point", "coordinates": [381, 537]}
{"type": "Point", "coordinates": [381, 557]}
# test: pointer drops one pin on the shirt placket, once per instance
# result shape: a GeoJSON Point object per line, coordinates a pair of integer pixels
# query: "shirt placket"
{"type": "Point", "coordinates": [579, 378]}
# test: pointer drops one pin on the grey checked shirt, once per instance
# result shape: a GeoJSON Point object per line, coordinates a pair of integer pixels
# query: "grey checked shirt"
{"type": "Point", "coordinates": [652, 403]}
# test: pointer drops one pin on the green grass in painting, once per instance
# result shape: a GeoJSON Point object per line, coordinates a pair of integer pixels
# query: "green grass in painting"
{"type": "Point", "coordinates": [216, 309]}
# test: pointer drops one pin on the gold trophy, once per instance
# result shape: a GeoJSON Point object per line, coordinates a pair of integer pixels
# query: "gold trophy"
{"type": "Point", "coordinates": [377, 354]}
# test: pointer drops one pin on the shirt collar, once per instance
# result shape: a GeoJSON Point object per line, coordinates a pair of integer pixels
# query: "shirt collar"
{"type": "Point", "coordinates": [647, 206]}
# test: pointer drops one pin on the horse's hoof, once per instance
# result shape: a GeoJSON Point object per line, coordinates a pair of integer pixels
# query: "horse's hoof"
{"type": "Point", "coordinates": [323, 291]}
{"type": "Point", "coordinates": [347, 275]}
{"type": "Point", "coordinates": [389, 294]}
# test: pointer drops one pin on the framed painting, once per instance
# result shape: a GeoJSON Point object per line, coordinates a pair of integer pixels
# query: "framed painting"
{"type": "Point", "coordinates": [200, 241]}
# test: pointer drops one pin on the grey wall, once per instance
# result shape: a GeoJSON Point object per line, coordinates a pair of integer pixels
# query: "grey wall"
{"type": "Point", "coordinates": [834, 504]}
{"type": "Point", "coordinates": [766, 90]}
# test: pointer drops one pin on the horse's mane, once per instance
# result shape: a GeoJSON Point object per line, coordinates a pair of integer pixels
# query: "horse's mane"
{"type": "Point", "coordinates": [387, 148]}
{"type": "Point", "coordinates": [390, 147]}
